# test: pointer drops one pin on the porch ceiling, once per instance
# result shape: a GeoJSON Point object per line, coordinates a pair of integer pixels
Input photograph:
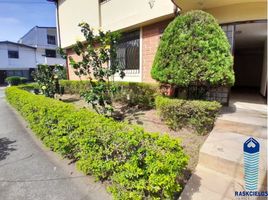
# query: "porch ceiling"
{"type": "Point", "coordinates": [186, 5]}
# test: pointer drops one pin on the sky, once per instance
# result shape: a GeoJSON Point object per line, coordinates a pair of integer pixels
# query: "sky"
{"type": "Point", "coordinates": [17, 17]}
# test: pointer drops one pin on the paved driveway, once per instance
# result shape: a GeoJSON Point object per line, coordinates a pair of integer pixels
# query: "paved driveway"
{"type": "Point", "coordinates": [28, 171]}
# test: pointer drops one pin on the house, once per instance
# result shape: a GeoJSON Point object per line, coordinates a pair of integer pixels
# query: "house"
{"type": "Point", "coordinates": [38, 46]}
{"type": "Point", "coordinates": [44, 39]}
{"type": "Point", "coordinates": [16, 60]}
{"type": "Point", "coordinates": [143, 22]}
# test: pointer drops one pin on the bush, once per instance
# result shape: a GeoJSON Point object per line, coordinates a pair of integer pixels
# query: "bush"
{"type": "Point", "coordinates": [47, 77]}
{"type": "Point", "coordinates": [194, 50]}
{"type": "Point", "coordinates": [139, 165]}
{"type": "Point", "coordinates": [179, 113]}
{"type": "Point", "coordinates": [15, 80]}
{"type": "Point", "coordinates": [140, 94]}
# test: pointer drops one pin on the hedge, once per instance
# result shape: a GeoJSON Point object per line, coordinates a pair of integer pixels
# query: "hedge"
{"type": "Point", "coordinates": [139, 165]}
{"type": "Point", "coordinates": [131, 93]}
{"type": "Point", "coordinates": [179, 113]}
{"type": "Point", "coordinates": [194, 51]}
{"type": "Point", "coordinates": [15, 80]}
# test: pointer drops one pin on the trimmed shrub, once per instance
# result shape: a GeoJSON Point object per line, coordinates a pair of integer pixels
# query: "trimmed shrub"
{"type": "Point", "coordinates": [140, 94]}
{"type": "Point", "coordinates": [179, 113]}
{"type": "Point", "coordinates": [15, 80]}
{"type": "Point", "coordinates": [139, 165]}
{"type": "Point", "coordinates": [194, 50]}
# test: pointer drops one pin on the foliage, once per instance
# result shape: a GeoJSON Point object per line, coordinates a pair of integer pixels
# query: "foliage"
{"type": "Point", "coordinates": [139, 165]}
{"type": "Point", "coordinates": [133, 94]}
{"type": "Point", "coordinates": [136, 94]}
{"type": "Point", "coordinates": [96, 54]}
{"type": "Point", "coordinates": [179, 113]}
{"type": "Point", "coordinates": [47, 78]}
{"type": "Point", "coordinates": [15, 80]}
{"type": "Point", "coordinates": [194, 50]}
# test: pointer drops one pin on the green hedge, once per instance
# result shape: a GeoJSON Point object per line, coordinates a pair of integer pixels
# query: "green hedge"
{"type": "Point", "coordinates": [141, 94]}
{"type": "Point", "coordinates": [139, 165]}
{"type": "Point", "coordinates": [179, 113]}
{"type": "Point", "coordinates": [15, 80]}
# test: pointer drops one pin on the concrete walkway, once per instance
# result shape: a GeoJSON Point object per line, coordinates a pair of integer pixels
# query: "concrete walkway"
{"type": "Point", "coordinates": [28, 171]}
{"type": "Point", "coordinates": [220, 170]}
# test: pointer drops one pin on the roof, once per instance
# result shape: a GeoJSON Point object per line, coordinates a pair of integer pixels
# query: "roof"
{"type": "Point", "coordinates": [46, 27]}
{"type": "Point", "coordinates": [15, 43]}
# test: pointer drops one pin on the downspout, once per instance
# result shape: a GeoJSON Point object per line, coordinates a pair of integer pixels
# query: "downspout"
{"type": "Point", "coordinates": [100, 17]}
{"type": "Point", "coordinates": [58, 23]}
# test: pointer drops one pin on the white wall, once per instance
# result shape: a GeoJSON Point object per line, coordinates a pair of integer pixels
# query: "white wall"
{"type": "Point", "coordinates": [26, 58]}
{"type": "Point", "coordinates": [71, 13]}
{"type": "Point", "coordinates": [118, 14]}
{"type": "Point", "coordinates": [41, 59]}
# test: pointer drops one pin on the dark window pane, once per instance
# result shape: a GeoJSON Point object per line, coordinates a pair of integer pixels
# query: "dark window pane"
{"type": "Point", "coordinates": [13, 54]}
{"type": "Point", "coordinates": [51, 39]}
{"type": "Point", "coordinates": [128, 51]}
{"type": "Point", "coordinates": [51, 53]}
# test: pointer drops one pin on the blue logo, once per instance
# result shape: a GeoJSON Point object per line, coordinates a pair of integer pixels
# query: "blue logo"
{"type": "Point", "coordinates": [251, 164]}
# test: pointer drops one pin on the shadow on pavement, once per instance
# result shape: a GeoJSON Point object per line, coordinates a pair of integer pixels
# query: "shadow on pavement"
{"type": "Point", "coordinates": [6, 147]}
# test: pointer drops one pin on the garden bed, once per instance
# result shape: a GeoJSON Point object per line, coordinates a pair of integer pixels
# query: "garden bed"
{"type": "Point", "coordinates": [151, 122]}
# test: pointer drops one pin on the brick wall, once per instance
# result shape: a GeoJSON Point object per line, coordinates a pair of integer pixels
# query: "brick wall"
{"type": "Point", "coordinates": [70, 71]}
{"type": "Point", "coordinates": [150, 40]}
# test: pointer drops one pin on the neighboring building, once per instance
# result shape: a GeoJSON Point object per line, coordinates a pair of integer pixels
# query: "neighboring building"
{"type": "Point", "coordinates": [16, 60]}
{"type": "Point", "coordinates": [44, 39]}
{"type": "Point", "coordinates": [143, 22]}
{"type": "Point", "coordinates": [38, 46]}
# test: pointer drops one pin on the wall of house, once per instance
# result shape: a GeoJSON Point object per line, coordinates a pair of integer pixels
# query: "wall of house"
{"type": "Point", "coordinates": [26, 58]}
{"type": "Point", "coordinates": [42, 59]}
{"type": "Point", "coordinates": [118, 14]}
{"type": "Point", "coordinates": [151, 36]}
{"type": "Point", "coordinates": [71, 13]}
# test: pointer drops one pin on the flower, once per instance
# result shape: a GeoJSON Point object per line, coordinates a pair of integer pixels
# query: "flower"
{"type": "Point", "coordinates": [55, 76]}
{"type": "Point", "coordinates": [44, 87]}
{"type": "Point", "coordinates": [108, 47]}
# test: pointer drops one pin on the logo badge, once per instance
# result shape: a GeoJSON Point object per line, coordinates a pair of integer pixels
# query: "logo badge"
{"type": "Point", "coordinates": [251, 164]}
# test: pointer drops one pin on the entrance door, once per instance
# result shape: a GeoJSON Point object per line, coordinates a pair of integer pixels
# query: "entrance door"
{"type": "Point", "coordinates": [2, 76]}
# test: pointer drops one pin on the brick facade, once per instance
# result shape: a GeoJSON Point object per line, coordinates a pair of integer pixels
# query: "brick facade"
{"type": "Point", "coordinates": [150, 40]}
{"type": "Point", "coordinates": [151, 35]}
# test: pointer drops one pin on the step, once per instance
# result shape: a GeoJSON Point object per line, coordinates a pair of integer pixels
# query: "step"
{"type": "Point", "coordinates": [241, 128]}
{"type": "Point", "coordinates": [206, 184]}
{"type": "Point", "coordinates": [251, 117]}
{"type": "Point", "coordinates": [223, 152]}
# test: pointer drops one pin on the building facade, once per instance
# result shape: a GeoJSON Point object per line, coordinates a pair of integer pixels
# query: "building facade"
{"type": "Point", "coordinates": [44, 39]}
{"type": "Point", "coordinates": [38, 46]}
{"type": "Point", "coordinates": [143, 22]}
{"type": "Point", "coordinates": [16, 60]}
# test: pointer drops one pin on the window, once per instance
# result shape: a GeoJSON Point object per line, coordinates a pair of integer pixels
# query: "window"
{"type": "Point", "coordinates": [13, 54]}
{"type": "Point", "coordinates": [128, 51]}
{"type": "Point", "coordinates": [50, 53]}
{"type": "Point", "coordinates": [51, 39]}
